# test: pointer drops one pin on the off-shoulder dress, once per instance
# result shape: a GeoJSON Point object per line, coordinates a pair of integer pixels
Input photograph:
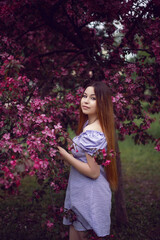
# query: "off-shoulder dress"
{"type": "Point", "coordinates": [89, 199]}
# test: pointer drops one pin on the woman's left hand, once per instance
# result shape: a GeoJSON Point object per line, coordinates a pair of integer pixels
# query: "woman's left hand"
{"type": "Point", "coordinates": [62, 151]}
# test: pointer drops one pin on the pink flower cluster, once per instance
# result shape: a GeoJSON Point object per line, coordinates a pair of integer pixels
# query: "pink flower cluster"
{"type": "Point", "coordinates": [101, 157]}
{"type": "Point", "coordinates": [157, 145]}
{"type": "Point", "coordinates": [28, 132]}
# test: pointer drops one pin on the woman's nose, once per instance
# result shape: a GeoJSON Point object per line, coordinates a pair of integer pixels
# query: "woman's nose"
{"type": "Point", "coordinates": [86, 100]}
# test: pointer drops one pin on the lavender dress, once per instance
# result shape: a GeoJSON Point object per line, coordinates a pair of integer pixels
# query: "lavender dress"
{"type": "Point", "coordinates": [89, 199]}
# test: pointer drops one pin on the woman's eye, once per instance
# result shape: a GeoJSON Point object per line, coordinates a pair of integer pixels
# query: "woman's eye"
{"type": "Point", "coordinates": [93, 98]}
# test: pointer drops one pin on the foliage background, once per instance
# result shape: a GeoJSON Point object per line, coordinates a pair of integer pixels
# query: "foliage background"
{"type": "Point", "coordinates": [49, 49]}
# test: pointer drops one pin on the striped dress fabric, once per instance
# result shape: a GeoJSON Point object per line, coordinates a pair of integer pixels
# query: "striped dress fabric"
{"type": "Point", "coordinates": [89, 199]}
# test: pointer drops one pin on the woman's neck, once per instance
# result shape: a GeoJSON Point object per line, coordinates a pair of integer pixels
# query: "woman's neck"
{"type": "Point", "coordinates": [92, 119]}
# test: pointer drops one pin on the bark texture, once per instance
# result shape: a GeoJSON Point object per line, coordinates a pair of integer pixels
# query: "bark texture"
{"type": "Point", "coordinates": [120, 205]}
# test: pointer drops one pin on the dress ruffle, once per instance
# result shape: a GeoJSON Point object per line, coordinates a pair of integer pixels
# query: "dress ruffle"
{"type": "Point", "coordinates": [91, 141]}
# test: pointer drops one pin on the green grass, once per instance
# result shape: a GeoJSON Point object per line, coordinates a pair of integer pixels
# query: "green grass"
{"type": "Point", "coordinates": [141, 161]}
{"type": "Point", "coordinates": [23, 218]}
{"type": "Point", "coordinates": [141, 174]}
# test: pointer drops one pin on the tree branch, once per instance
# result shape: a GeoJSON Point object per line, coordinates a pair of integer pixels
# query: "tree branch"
{"type": "Point", "coordinates": [57, 51]}
{"type": "Point", "coordinates": [74, 57]}
{"type": "Point", "coordinates": [137, 20]}
{"type": "Point", "coordinates": [31, 29]}
{"type": "Point", "coordinates": [138, 49]}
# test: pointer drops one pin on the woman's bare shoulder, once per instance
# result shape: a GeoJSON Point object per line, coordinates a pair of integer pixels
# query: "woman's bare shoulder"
{"type": "Point", "coordinates": [94, 126]}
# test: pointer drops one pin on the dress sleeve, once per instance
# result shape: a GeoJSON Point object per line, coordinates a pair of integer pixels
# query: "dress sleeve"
{"type": "Point", "coordinates": [91, 141]}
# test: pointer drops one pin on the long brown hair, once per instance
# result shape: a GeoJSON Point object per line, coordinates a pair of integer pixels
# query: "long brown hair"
{"type": "Point", "coordinates": [106, 119]}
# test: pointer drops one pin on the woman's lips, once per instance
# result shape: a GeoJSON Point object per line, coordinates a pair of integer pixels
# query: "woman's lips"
{"type": "Point", "coordinates": [85, 107]}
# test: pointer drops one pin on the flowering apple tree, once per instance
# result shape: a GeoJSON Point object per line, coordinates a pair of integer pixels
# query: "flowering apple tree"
{"type": "Point", "coordinates": [48, 50]}
{"type": "Point", "coordinates": [30, 130]}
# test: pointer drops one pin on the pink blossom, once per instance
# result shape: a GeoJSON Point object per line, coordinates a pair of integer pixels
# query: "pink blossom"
{"type": "Point", "coordinates": [52, 152]}
{"type": "Point", "coordinates": [55, 186]}
{"type": "Point", "coordinates": [48, 132]}
{"type": "Point", "coordinates": [13, 163]}
{"type": "Point", "coordinates": [58, 126]}
{"type": "Point", "coordinates": [18, 182]}
{"type": "Point", "coordinates": [107, 162]}
{"type": "Point", "coordinates": [64, 72]}
{"type": "Point", "coordinates": [104, 152]}
{"type": "Point", "coordinates": [157, 145]}
{"type": "Point", "coordinates": [40, 164]}
{"type": "Point", "coordinates": [6, 136]}
{"type": "Point", "coordinates": [69, 96]}
{"type": "Point", "coordinates": [49, 224]}
{"type": "Point", "coordinates": [61, 209]}
{"type": "Point", "coordinates": [20, 107]}
{"type": "Point", "coordinates": [32, 173]}
{"type": "Point", "coordinates": [16, 148]}
{"type": "Point", "coordinates": [17, 131]}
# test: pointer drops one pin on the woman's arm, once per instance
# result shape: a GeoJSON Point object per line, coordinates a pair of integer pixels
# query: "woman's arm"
{"type": "Point", "coordinates": [90, 169]}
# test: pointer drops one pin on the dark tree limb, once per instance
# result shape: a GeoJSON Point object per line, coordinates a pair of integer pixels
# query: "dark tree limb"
{"type": "Point", "coordinates": [120, 206]}
{"type": "Point", "coordinates": [57, 51]}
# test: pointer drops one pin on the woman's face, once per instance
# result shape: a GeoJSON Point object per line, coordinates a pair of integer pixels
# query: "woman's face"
{"type": "Point", "coordinates": [88, 102]}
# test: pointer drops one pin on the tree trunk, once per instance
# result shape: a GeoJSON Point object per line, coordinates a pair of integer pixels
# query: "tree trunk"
{"type": "Point", "coordinates": [120, 206]}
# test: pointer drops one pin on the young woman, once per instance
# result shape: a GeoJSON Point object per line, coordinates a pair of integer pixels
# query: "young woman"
{"type": "Point", "coordinates": [89, 188]}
